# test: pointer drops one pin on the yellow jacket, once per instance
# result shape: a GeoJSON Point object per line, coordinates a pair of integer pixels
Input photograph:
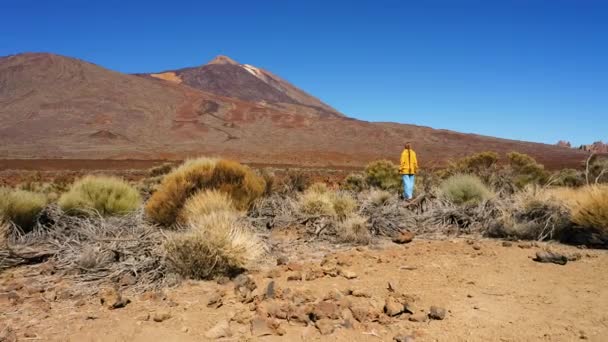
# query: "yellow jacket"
{"type": "Point", "coordinates": [409, 163]}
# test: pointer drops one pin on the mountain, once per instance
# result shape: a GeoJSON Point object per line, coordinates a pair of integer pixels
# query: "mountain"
{"type": "Point", "coordinates": [224, 76]}
{"type": "Point", "coordinates": [59, 107]}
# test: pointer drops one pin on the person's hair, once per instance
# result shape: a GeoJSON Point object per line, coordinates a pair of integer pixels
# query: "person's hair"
{"type": "Point", "coordinates": [408, 145]}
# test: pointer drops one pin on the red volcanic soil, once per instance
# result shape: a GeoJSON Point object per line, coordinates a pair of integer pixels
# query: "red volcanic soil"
{"type": "Point", "coordinates": [64, 111]}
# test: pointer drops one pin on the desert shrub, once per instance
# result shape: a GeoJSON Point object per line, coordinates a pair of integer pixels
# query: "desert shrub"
{"type": "Point", "coordinates": [533, 213]}
{"type": "Point", "coordinates": [464, 189]}
{"type": "Point", "coordinates": [343, 204]}
{"type": "Point", "coordinates": [383, 174]}
{"type": "Point", "coordinates": [355, 182]}
{"type": "Point", "coordinates": [525, 170]}
{"type": "Point", "coordinates": [319, 187]}
{"type": "Point", "coordinates": [21, 207]}
{"type": "Point", "coordinates": [568, 177]}
{"type": "Point", "coordinates": [193, 175]}
{"type": "Point", "coordinates": [354, 229]}
{"type": "Point", "coordinates": [296, 180]}
{"type": "Point", "coordinates": [160, 170]}
{"type": "Point", "coordinates": [590, 207]}
{"type": "Point", "coordinates": [597, 169]}
{"type": "Point", "coordinates": [215, 244]}
{"type": "Point", "coordinates": [148, 186]}
{"type": "Point", "coordinates": [205, 202]}
{"type": "Point", "coordinates": [105, 195]}
{"type": "Point", "coordinates": [5, 230]}
{"type": "Point", "coordinates": [377, 197]}
{"type": "Point", "coordinates": [316, 204]}
{"type": "Point", "coordinates": [269, 181]}
{"type": "Point", "coordinates": [238, 181]}
{"type": "Point", "coordinates": [481, 164]}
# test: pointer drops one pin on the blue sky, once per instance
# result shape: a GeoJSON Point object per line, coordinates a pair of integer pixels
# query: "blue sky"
{"type": "Point", "coordinates": [522, 69]}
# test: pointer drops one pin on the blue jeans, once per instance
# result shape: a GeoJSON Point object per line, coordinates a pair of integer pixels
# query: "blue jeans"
{"type": "Point", "coordinates": [408, 186]}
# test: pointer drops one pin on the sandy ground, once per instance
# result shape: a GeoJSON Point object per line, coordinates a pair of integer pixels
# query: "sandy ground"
{"type": "Point", "coordinates": [491, 293]}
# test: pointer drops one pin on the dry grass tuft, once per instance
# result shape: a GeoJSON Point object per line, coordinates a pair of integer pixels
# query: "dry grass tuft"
{"type": "Point", "coordinates": [205, 202]}
{"type": "Point", "coordinates": [589, 207]}
{"type": "Point", "coordinates": [464, 189]}
{"type": "Point", "coordinates": [354, 229]}
{"type": "Point", "coordinates": [343, 204]}
{"type": "Point", "coordinates": [319, 201]}
{"type": "Point", "coordinates": [238, 181]}
{"type": "Point", "coordinates": [318, 187]}
{"type": "Point", "coordinates": [377, 197]}
{"type": "Point", "coordinates": [215, 244]}
{"type": "Point", "coordinates": [21, 207]}
{"type": "Point", "coordinates": [105, 195]}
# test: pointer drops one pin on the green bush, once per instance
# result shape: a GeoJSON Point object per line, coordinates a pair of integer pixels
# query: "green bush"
{"type": "Point", "coordinates": [105, 195]}
{"type": "Point", "coordinates": [355, 182]}
{"type": "Point", "coordinates": [21, 207]}
{"type": "Point", "coordinates": [568, 177]}
{"type": "Point", "coordinates": [464, 189]}
{"type": "Point", "coordinates": [525, 170]}
{"type": "Point", "coordinates": [383, 174]}
{"type": "Point", "coordinates": [238, 181]}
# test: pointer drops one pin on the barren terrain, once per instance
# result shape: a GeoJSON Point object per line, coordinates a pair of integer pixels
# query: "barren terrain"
{"type": "Point", "coordinates": [492, 291]}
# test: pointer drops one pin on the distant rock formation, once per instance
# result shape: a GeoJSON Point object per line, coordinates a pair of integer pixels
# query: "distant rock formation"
{"type": "Point", "coordinates": [596, 147]}
{"type": "Point", "coordinates": [564, 143]}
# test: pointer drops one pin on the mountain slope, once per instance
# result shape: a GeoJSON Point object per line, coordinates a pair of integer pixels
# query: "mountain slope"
{"type": "Point", "coordinates": [224, 76]}
{"type": "Point", "coordinates": [59, 107]}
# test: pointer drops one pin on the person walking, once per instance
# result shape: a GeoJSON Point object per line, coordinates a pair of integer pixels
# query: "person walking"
{"type": "Point", "coordinates": [408, 169]}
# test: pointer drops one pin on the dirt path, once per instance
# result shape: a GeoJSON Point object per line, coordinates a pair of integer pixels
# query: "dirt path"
{"type": "Point", "coordinates": [491, 292]}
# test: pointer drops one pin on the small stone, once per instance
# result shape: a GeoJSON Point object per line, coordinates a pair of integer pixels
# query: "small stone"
{"type": "Point", "coordinates": [34, 289]}
{"type": "Point", "coordinates": [524, 245]}
{"type": "Point", "coordinates": [223, 280]}
{"type": "Point", "coordinates": [80, 302]}
{"type": "Point", "coordinates": [161, 316]}
{"type": "Point", "coordinates": [144, 318]}
{"type": "Point", "coordinates": [276, 309]}
{"type": "Point", "coordinates": [403, 338]}
{"type": "Point", "coordinates": [274, 273]}
{"type": "Point", "coordinates": [216, 300]}
{"type": "Point", "coordinates": [270, 292]}
{"type": "Point", "coordinates": [507, 243]}
{"type": "Point", "coordinates": [296, 267]}
{"type": "Point", "coordinates": [551, 257]}
{"type": "Point", "coordinates": [348, 274]}
{"type": "Point", "coordinates": [325, 326]}
{"type": "Point", "coordinates": [221, 329]}
{"type": "Point", "coordinates": [404, 237]}
{"type": "Point", "coordinates": [418, 317]}
{"type": "Point", "coordinates": [112, 299]}
{"type": "Point", "coordinates": [282, 260]}
{"type": "Point", "coordinates": [244, 283]}
{"type": "Point", "coordinates": [313, 273]}
{"type": "Point", "coordinates": [260, 327]}
{"type": "Point", "coordinates": [29, 334]}
{"type": "Point", "coordinates": [11, 298]}
{"type": "Point", "coordinates": [297, 276]}
{"type": "Point", "coordinates": [348, 321]}
{"type": "Point", "coordinates": [360, 293]}
{"type": "Point", "coordinates": [362, 312]}
{"type": "Point", "coordinates": [437, 312]}
{"type": "Point", "coordinates": [476, 247]}
{"type": "Point", "coordinates": [185, 329]}
{"type": "Point", "coordinates": [392, 307]}
{"type": "Point", "coordinates": [326, 310]}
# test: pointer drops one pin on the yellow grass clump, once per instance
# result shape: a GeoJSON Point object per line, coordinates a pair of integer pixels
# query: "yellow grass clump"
{"type": "Point", "coordinates": [105, 195]}
{"type": "Point", "coordinates": [589, 207]}
{"type": "Point", "coordinates": [21, 207]}
{"type": "Point", "coordinates": [205, 202]}
{"type": "Point", "coordinates": [214, 244]}
{"type": "Point", "coordinates": [238, 181]}
{"type": "Point", "coordinates": [317, 202]}
{"type": "Point", "coordinates": [464, 189]}
{"type": "Point", "coordinates": [354, 229]}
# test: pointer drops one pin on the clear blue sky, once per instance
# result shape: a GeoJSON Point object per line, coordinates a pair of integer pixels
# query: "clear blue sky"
{"type": "Point", "coordinates": [528, 69]}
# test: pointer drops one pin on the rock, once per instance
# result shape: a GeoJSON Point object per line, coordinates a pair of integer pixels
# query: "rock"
{"type": "Point", "coordinates": [326, 310]}
{"type": "Point", "coordinates": [392, 307]}
{"type": "Point", "coordinates": [10, 299]}
{"type": "Point", "coordinates": [112, 299]}
{"type": "Point", "coordinates": [297, 276]}
{"type": "Point", "coordinates": [80, 302]}
{"type": "Point", "coordinates": [391, 286]}
{"type": "Point", "coordinates": [274, 273]}
{"type": "Point", "coordinates": [244, 283]}
{"type": "Point", "coordinates": [403, 338]}
{"type": "Point", "coordinates": [437, 312]}
{"type": "Point", "coordinates": [242, 316]}
{"type": "Point", "coordinates": [360, 293]}
{"type": "Point", "coordinates": [7, 334]}
{"type": "Point", "coordinates": [507, 243]}
{"type": "Point", "coordinates": [276, 309]}
{"type": "Point", "coordinates": [34, 289]}
{"type": "Point", "coordinates": [404, 237]}
{"type": "Point", "coordinates": [362, 312]}
{"type": "Point", "coordinates": [551, 257]}
{"type": "Point", "coordinates": [325, 326]}
{"type": "Point", "coordinates": [161, 316]}
{"type": "Point", "coordinates": [127, 280]}
{"type": "Point", "coordinates": [476, 247]}
{"type": "Point", "coordinates": [330, 271]}
{"type": "Point", "coordinates": [221, 329]}
{"type": "Point", "coordinates": [418, 317]}
{"type": "Point", "coordinates": [344, 260]}
{"type": "Point", "coordinates": [313, 273]}
{"type": "Point", "coordinates": [270, 292]}
{"type": "Point", "coordinates": [575, 257]}
{"type": "Point", "coordinates": [525, 245]}
{"type": "Point", "coordinates": [348, 321]}
{"type": "Point", "coordinates": [294, 266]}
{"type": "Point", "coordinates": [143, 318]}
{"type": "Point", "coordinates": [29, 335]}
{"type": "Point", "coordinates": [216, 300]}
{"type": "Point", "coordinates": [282, 260]}
{"type": "Point", "coordinates": [223, 280]}
{"type": "Point", "coordinates": [260, 327]}
{"type": "Point", "coordinates": [348, 274]}
{"type": "Point", "coordinates": [301, 314]}
{"type": "Point", "coordinates": [335, 294]}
